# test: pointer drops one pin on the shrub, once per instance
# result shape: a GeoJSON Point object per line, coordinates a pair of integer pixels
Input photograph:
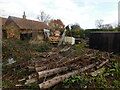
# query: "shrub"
{"type": "Point", "coordinates": [16, 49]}
{"type": "Point", "coordinates": [42, 47]}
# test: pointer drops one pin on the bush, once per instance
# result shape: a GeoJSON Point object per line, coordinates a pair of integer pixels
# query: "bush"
{"type": "Point", "coordinates": [43, 47]}
{"type": "Point", "coordinates": [88, 31]}
{"type": "Point", "coordinates": [76, 33]}
{"type": "Point", "coordinates": [16, 49]}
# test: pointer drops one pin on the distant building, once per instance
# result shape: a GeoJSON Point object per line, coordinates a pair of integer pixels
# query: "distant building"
{"type": "Point", "coordinates": [3, 27]}
{"type": "Point", "coordinates": [22, 28]}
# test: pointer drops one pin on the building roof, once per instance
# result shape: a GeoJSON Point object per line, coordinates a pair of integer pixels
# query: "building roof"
{"type": "Point", "coordinates": [28, 24]}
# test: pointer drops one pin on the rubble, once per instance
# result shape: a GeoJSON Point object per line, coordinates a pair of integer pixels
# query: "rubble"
{"type": "Point", "coordinates": [85, 61]}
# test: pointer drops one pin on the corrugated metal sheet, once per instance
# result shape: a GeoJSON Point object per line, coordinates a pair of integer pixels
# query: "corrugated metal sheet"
{"type": "Point", "coordinates": [105, 41]}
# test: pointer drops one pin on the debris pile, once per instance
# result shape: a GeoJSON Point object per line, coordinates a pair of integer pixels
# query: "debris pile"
{"type": "Point", "coordinates": [47, 69]}
{"type": "Point", "coordinates": [55, 68]}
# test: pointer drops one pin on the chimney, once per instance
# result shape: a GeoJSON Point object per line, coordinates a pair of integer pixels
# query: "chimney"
{"type": "Point", "coordinates": [24, 16]}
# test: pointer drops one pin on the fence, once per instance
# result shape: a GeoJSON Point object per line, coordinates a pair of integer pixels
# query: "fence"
{"type": "Point", "coordinates": [105, 41]}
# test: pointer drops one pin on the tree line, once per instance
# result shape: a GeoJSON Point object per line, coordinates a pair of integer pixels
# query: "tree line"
{"type": "Point", "coordinates": [74, 30]}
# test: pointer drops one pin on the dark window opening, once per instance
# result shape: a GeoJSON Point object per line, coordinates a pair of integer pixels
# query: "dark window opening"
{"type": "Point", "coordinates": [27, 36]}
{"type": "Point", "coordinates": [4, 34]}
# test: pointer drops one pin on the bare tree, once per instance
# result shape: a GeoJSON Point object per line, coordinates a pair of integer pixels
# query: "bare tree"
{"type": "Point", "coordinates": [98, 23]}
{"type": "Point", "coordinates": [115, 25]}
{"type": "Point", "coordinates": [43, 17]}
{"type": "Point", "coordinates": [107, 26]}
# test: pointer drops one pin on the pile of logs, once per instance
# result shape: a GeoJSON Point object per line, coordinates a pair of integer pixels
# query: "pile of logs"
{"type": "Point", "coordinates": [56, 80]}
{"type": "Point", "coordinates": [73, 67]}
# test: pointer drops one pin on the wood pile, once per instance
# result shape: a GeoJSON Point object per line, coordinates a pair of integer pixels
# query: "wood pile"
{"type": "Point", "coordinates": [57, 71]}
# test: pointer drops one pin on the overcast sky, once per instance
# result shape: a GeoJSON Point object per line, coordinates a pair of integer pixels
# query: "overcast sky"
{"type": "Point", "coordinates": [83, 12]}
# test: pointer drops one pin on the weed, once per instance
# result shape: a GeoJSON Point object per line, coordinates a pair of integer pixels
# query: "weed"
{"type": "Point", "coordinates": [43, 47]}
{"type": "Point", "coordinates": [106, 79]}
{"type": "Point", "coordinates": [7, 83]}
{"type": "Point", "coordinates": [80, 81]}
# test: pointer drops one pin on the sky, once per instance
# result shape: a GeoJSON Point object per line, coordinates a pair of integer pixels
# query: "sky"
{"type": "Point", "coordinates": [82, 12]}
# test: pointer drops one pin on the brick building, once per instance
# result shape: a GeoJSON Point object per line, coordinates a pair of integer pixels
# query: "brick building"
{"type": "Point", "coordinates": [22, 28]}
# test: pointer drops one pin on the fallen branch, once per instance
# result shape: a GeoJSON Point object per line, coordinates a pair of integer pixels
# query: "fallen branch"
{"type": "Point", "coordinates": [103, 63]}
{"type": "Point", "coordinates": [95, 73]}
{"type": "Point", "coordinates": [38, 69]}
{"type": "Point", "coordinates": [29, 81]}
{"type": "Point", "coordinates": [72, 60]}
{"type": "Point", "coordinates": [50, 72]}
{"type": "Point", "coordinates": [58, 79]}
{"type": "Point", "coordinates": [51, 65]}
{"type": "Point", "coordinates": [64, 57]}
{"type": "Point", "coordinates": [65, 49]}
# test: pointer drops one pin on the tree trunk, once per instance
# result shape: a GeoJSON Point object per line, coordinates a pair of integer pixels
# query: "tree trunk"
{"type": "Point", "coordinates": [50, 72]}
{"type": "Point", "coordinates": [56, 80]}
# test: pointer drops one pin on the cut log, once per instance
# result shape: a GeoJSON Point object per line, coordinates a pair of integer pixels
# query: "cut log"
{"type": "Point", "coordinates": [50, 72]}
{"type": "Point", "coordinates": [30, 81]}
{"type": "Point", "coordinates": [103, 63]}
{"type": "Point", "coordinates": [38, 69]}
{"type": "Point", "coordinates": [56, 80]}
{"type": "Point", "coordinates": [50, 65]}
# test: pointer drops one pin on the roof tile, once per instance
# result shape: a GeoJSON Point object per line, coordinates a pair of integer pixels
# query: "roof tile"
{"type": "Point", "coordinates": [29, 24]}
